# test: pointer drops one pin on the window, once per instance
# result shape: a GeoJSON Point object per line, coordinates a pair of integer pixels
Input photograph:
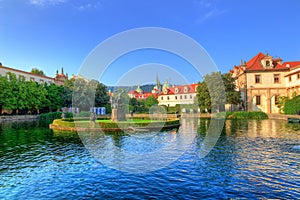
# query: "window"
{"type": "Point", "coordinates": [8, 76]}
{"type": "Point", "coordinates": [290, 78]}
{"type": "Point", "coordinates": [298, 76]}
{"type": "Point", "coordinates": [168, 98]}
{"type": "Point", "coordinates": [185, 89]}
{"type": "Point", "coordinates": [257, 79]}
{"type": "Point", "coordinates": [191, 96]}
{"type": "Point", "coordinates": [31, 78]}
{"type": "Point", "coordinates": [267, 63]}
{"type": "Point", "coordinates": [257, 99]}
{"type": "Point", "coordinates": [176, 97]}
{"type": "Point", "coordinates": [276, 99]}
{"type": "Point", "coordinates": [185, 97]}
{"type": "Point", "coordinates": [276, 78]}
{"type": "Point", "coordinates": [162, 98]}
{"type": "Point", "coordinates": [21, 78]}
{"type": "Point", "coordinates": [176, 90]}
{"type": "Point", "coordinates": [180, 97]}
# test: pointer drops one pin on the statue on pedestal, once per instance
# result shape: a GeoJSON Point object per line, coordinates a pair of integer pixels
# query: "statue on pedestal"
{"type": "Point", "coordinates": [117, 114]}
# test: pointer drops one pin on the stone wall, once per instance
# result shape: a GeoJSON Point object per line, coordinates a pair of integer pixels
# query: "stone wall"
{"type": "Point", "coordinates": [19, 118]}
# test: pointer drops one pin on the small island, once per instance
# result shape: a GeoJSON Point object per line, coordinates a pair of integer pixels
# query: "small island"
{"type": "Point", "coordinates": [108, 125]}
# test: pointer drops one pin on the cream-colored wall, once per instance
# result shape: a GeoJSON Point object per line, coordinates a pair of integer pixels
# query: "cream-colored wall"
{"type": "Point", "coordinates": [267, 80]}
{"type": "Point", "coordinates": [173, 101]}
{"type": "Point", "coordinates": [295, 81]}
{"type": "Point", "coordinates": [38, 79]}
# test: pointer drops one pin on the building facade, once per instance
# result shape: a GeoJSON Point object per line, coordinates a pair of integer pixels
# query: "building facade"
{"type": "Point", "coordinates": [263, 79]}
{"type": "Point", "coordinates": [59, 79]}
{"type": "Point", "coordinates": [183, 94]}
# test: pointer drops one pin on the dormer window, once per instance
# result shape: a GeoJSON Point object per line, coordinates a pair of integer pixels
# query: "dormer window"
{"type": "Point", "coordinates": [165, 91]}
{"type": "Point", "coordinates": [185, 89]}
{"type": "Point", "coordinates": [267, 62]}
{"type": "Point", "coordinates": [176, 90]}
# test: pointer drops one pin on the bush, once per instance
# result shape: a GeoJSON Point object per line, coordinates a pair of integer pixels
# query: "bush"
{"type": "Point", "coordinates": [49, 117]}
{"type": "Point", "coordinates": [292, 106]}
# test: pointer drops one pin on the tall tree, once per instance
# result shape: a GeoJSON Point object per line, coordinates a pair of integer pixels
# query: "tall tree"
{"type": "Point", "coordinates": [203, 97]}
{"type": "Point", "coordinates": [67, 93]}
{"type": "Point", "coordinates": [101, 95]}
{"type": "Point", "coordinates": [232, 95]}
{"type": "Point", "coordinates": [216, 90]}
{"type": "Point", "coordinates": [212, 94]}
{"type": "Point", "coordinates": [54, 97]}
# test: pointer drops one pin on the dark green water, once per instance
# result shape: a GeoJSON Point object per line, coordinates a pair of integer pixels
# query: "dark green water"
{"type": "Point", "coordinates": [252, 159]}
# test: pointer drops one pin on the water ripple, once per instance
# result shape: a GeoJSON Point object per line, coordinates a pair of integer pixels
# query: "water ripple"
{"type": "Point", "coordinates": [246, 163]}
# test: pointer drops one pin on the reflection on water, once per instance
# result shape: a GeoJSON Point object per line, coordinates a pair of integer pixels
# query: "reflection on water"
{"type": "Point", "coordinates": [251, 159]}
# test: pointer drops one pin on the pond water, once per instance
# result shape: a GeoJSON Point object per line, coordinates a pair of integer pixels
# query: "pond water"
{"type": "Point", "coordinates": [251, 159]}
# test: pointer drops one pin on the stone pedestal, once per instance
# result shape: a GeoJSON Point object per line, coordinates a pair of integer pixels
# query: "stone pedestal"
{"type": "Point", "coordinates": [117, 115]}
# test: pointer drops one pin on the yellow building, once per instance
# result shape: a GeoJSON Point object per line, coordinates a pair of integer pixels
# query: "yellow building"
{"type": "Point", "coordinates": [263, 79]}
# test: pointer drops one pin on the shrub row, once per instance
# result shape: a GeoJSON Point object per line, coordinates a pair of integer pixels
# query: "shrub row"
{"type": "Point", "coordinates": [53, 115]}
{"type": "Point", "coordinates": [246, 115]}
{"type": "Point", "coordinates": [292, 106]}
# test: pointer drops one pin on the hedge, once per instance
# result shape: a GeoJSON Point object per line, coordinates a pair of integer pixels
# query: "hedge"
{"type": "Point", "coordinates": [246, 115]}
{"type": "Point", "coordinates": [292, 106]}
{"type": "Point", "coordinates": [53, 115]}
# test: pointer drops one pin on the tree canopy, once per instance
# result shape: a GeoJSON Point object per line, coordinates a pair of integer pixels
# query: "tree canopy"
{"type": "Point", "coordinates": [216, 90]}
{"type": "Point", "coordinates": [37, 71]}
{"type": "Point", "coordinates": [24, 97]}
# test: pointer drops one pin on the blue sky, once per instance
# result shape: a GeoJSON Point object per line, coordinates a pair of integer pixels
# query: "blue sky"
{"type": "Point", "coordinates": [50, 34]}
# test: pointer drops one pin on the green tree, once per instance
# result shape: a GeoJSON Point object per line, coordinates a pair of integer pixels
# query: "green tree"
{"type": "Point", "coordinates": [83, 95]}
{"type": "Point", "coordinates": [150, 101]}
{"type": "Point", "coordinates": [13, 95]}
{"type": "Point", "coordinates": [5, 93]}
{"type": "Point", "coordinates": [216, 90]}
{"type": "Point", "coordinates": [101, 95]}
{"type": "Point", "coordinates": [54, 97]}
{"type": "Point", "coordinates": [203, 97]}
{"type": "Point", "coordinates": [232, 95]}
{"type": "Point", "coordinates": [133, 103]}
{"type": "Point", "coordinates": [37, 72]}
{"type": "Point", "coordinates": [67, 93]}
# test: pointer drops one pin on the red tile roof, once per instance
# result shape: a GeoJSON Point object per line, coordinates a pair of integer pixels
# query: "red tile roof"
{"type": "Point", "coordinates": [180, 89]}
{"type": "Point", "coordinates": [291, 64]}
{"type": "Point", "coordinates": [255, 63]}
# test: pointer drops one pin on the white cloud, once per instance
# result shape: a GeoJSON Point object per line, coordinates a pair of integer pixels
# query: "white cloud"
{"type": "Point", "coordinates": [46, 2]}
{"type": "Point", "coordinates": [212, 13]}
{"type": "Point", "coordinates": [207, 9]}
{"type": "Point", "coordinates": [90, 5]}
{"type": "Point", "coordinates": [203, 3]}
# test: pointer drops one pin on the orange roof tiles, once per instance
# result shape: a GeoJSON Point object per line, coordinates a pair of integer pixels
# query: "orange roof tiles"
{"type": "Point", "coordinates": [255, 63]}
